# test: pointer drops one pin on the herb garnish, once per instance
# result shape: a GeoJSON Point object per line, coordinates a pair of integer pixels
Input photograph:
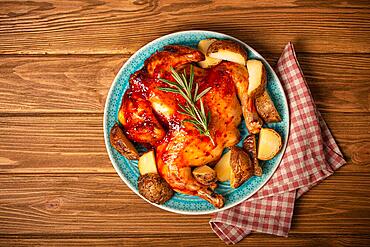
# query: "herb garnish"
{"type": "Point", "coordinates": [184, 87]}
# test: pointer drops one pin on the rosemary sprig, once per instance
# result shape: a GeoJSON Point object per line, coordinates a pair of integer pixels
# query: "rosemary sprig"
{"type": "Point", "coordinates": [184, 87]}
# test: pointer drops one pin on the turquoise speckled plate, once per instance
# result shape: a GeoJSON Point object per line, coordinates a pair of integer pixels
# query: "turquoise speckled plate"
{"type": "Point", "coordinates": [180, 203]}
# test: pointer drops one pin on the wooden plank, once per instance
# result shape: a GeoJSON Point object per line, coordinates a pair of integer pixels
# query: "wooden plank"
{"type": "Point", "coordinates": [337, 85]}
{"type": "Point", "coordinates": [316, 204]}
{"type": "Point", "coordinates": [81, 83]}
{"type": "Point", "coordinates": [56, 84]}
{"type": "Point", "coordinates": [55, 144]}
{"type": "Point", "coordinates": [102, 205]}
{"type": "Point", "coordinates": [51, 116]}
{"type": "Point", "coordinates": [191, 240]}
{"type": "Point", "coordinates": [61, 143]}
{"type": "Point", "coordinates": [111, 27]}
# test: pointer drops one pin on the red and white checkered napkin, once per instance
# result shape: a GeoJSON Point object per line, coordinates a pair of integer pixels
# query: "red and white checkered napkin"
{"type": "Point", "coordinates": [311, 155]}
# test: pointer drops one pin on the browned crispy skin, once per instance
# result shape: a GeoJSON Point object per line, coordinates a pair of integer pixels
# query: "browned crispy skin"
{"type": "Point", "coordinates": [239, 75]}
{"type": "Point", "coordinates": [151, 116]}
{"type": "Point", "coordinates": [171, 56]}
{"type": "Point", "coordinates": [139, 121]}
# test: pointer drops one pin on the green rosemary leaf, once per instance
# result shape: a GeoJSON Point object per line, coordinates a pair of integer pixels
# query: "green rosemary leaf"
{"type": "Point", "coordinates": [184, 87]}
{"type": "Point", "coordinates": [169, 82]}
{"type": "Point", "coordinates": [209, 117]}
{"type": "Point", "coordinates": [191, 79]}
{"type": "Point", "coordinates": [203, 115]}
{"type": "Point", "coordinates": [202, 93]}
{"type": "Point", "coordinates": [202, 107]}
{"type": "Point", "coordinates": [191, 121]}
{"type": "Point", "coordinates": [183, 78]}
{"type": "Point", "coordinates": [185, 111]}
{"type": "Point", "coordinates": [195, 92]}
{"type": "Point", "coordinates": [178, 79]}
{"type": "Point", "coordinates": [168, 89]}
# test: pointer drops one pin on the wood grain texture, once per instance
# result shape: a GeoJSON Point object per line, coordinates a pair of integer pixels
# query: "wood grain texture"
{"type": "Point", "coordinates": [106, 27]}
{"type": "Point", "coordinates": [191, 240]}
{"type": "Point", "coordinates": [101, 205]}
{"type": "Point", "coordinates": [74, 143]}
{"type": "Point", "coordinates": [77, 83]}
{"type": "Point", "coordinates": [57, 62]}
{"type": "Point", "coordinates": [56, 84]}
{"type": "Point", "coordinates": [53, 144]}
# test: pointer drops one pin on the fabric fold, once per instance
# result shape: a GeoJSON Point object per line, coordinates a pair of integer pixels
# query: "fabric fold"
{"type": "Point", "coordinates": [311, 156]}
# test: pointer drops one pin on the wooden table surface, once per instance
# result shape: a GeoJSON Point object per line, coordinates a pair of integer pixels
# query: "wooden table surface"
{"type": "Point", "coordinates": [58, 59]}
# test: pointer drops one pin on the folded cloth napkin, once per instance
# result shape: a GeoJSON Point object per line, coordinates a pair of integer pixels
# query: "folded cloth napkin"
{"type": "Point", "coordinates": [311, 155]}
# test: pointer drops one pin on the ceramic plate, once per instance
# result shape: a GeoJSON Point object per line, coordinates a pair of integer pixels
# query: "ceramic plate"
{"type": "Point", "coordinates": [180, 203]}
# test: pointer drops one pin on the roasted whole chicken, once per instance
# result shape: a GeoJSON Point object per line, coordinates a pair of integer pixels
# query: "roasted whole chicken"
{"type": "Point", "coordinates": [153, 118]}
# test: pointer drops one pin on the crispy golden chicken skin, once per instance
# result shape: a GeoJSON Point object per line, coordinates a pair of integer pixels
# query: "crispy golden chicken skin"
{"type": "Point", "coordinates": [151, 117]}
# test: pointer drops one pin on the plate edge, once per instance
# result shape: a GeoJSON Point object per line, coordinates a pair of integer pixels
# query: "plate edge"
{"type": "Point", "coordinates": [106, 137]}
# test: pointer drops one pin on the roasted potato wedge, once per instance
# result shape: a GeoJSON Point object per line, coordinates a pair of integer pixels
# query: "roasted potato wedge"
{"type": "Point", "coordinates": [205, 175]}
{"type": "Point", "coordinates": [147, 163]}
{"type": "Point", "coordinates": [241, 167]}
{"type": "Point", "coordinates": [266, 108]}
{"type": "Point", "coordinates": [269, 144]}
{"type": "Point", "coordinates": [154, 188]}
{"type": "Point", "coordinates": [120, 142]}
{"type": "Point", "coordinates": [203, 47]}
{"type": "Point", "coordinates": [250, 145]}
{"type": "Point", "coordinates": [223, 168]}
{"type": "Point", "coordinates": [227, 50]}
{"type": "Point", "coordinates": [257, 78]}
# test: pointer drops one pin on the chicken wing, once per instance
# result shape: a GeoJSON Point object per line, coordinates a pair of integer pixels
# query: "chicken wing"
{"type": "Point", "coordinates": [239, 73]}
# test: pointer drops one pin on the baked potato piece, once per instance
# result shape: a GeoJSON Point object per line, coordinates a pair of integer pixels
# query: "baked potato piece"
{"type": "Point", "coordinates": [241, 167]}
{"type": "Point", "coordinates": [257, 78]}
{"type": "Point", "coordinates": [266, 108]}
{"type": "Point", "coordinates": [147, 163]}
{"type": "Point", "coordinates": [269, 144]}
{"type": "Point", "coordinates": [223, 168]}
{"type": "Point", "coordinates": [250, 145]}
{"type": "Point", "coordinates": [205, 175]}
{"type": "Point", "coordinates": [154, 188]}
{"type": "Point", "coordinates": [227, 50]}
{"type": "Point", "coordinates": [203, 47]}
{"type": "Point", "coordinates": [120, 142]}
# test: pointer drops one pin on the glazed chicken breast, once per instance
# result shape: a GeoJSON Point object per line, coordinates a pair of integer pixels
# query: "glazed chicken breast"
{"type": "Point", "coordinates": [153, 117]}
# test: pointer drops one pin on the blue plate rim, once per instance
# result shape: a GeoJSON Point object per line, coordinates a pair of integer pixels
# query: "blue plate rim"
{"type": "Point", "coordinates": [106, 134]}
